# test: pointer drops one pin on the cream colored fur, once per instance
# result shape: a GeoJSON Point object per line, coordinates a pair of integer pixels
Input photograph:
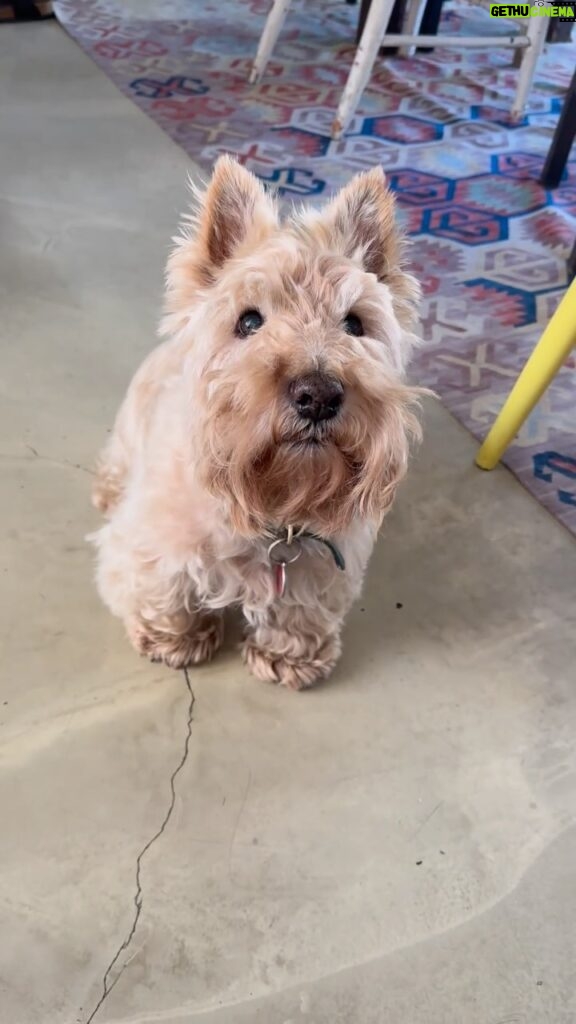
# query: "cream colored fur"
{"type": "Point", "coordinates": [207, 453]}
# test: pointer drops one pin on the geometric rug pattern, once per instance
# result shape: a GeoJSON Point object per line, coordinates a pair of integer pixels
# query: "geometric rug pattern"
{"type": "Point", "coordinates": [489, 243]}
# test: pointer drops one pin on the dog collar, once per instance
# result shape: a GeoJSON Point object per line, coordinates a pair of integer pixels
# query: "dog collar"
{"type": "Point", "coordinates": [286, 547]}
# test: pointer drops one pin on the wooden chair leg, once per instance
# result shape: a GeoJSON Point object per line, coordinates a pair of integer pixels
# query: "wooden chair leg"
{"type": "Point", "coordinates": [394, 25]}
{"type": "Point", "coordinates": [272, 30]}
{"type": "Point", "coordinates": [378, 19]}
{"type": "Point", "coordinates": [412, 22]}
{"type": "Point", "coordinates": [536, 32]}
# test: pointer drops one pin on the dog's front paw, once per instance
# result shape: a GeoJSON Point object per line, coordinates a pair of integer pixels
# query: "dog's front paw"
{"type": "Point", "coordinates": [182, 649]}
{"type": "Point", "coordinates": [298, 673]}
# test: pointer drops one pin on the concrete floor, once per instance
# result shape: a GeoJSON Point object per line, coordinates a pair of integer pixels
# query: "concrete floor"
{"type": "Point", "coordinates": [397, 847]}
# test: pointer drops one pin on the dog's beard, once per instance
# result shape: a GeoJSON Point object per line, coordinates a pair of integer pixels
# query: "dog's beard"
{"type": "Point", "coordinates": [279, 471]}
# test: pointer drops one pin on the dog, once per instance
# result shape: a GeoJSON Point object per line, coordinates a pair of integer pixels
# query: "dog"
{"type": "Point", "coordinates": [259, 447]}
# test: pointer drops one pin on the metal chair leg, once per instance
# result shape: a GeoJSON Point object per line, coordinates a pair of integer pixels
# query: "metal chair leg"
{"type": "Point", "coordinates": [553, 349]}
{"type": "Point", "coordinates": [561, 145]}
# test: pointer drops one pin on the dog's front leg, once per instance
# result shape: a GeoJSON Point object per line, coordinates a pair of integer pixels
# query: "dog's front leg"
{"type": "Point", "coordinates": [297, 645]}
{"type": "Point", "coordinates": [179, 639]}
{"type": "Point", "coordinates": [158, 605]}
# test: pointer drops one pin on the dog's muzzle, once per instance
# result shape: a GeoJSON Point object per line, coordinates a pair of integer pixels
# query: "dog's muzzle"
{"type": "Point", "coordinates": [316, 396]}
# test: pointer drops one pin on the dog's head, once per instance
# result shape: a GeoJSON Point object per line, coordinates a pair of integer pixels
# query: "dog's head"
{"type": "Point", "coordinates": [299, 334]}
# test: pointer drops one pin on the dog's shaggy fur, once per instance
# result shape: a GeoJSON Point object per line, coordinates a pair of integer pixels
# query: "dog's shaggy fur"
{"type": "Point", "coordinates": [209, 453]}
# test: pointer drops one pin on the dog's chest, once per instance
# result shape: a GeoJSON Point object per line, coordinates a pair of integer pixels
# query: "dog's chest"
{"type": "Point", "coordinates": [251, 575]}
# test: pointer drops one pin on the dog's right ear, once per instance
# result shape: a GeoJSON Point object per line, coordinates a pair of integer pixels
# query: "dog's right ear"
{"type": "Point", "coordinates": [234, 210]}
{"type": "Point", "coordinates": [235, 207]}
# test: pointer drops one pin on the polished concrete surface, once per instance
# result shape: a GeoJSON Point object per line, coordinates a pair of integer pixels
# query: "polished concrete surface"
{"type": "Point", "coordinates": [396, 847]}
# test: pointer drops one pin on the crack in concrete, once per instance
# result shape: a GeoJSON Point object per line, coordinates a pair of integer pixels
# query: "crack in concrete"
{"type": "Point", "coordinates": [37, 457]}
{"type": "Point", "coordinates": [108, 985]}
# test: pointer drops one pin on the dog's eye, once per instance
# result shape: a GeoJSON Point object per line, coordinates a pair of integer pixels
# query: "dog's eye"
{"type": "Point", "coordinates": [353, 325]}
{"type": "Point", "coordinates": [250, 322]}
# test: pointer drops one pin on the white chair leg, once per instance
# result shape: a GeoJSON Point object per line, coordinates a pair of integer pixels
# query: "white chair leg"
{"type": "Point", "coordinates": [374, 29]}
{"type": "Point", "coordinates": [537, 28]}
{"type": "Point", "coordinates": [272, 30]}
{"type": "Point", "coordinates": [411, 24]}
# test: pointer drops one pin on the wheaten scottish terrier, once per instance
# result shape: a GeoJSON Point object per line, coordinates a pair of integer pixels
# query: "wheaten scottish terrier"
{"type": "Point", "coordinates": [260, 446]}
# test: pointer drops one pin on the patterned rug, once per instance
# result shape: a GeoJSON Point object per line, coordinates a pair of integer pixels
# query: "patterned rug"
{"type": "Point", "coordinates": [490, 244]}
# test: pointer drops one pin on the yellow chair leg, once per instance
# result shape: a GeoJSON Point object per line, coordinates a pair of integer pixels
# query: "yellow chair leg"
{"type": "Point", "coordinates": [553, 349]}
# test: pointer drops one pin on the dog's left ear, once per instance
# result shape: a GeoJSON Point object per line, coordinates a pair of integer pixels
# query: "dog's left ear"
{"type": "Point", "coordinates": [360, 223]}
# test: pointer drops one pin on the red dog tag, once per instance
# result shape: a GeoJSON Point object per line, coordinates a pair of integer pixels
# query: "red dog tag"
{"type": "Point", "coordinates": [279, 570]}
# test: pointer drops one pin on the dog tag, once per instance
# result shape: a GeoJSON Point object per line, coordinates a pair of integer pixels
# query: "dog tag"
{"type": "Point", "coordinates": [282, 553]}
{"type": "Point", "coordinates": [279, 570]}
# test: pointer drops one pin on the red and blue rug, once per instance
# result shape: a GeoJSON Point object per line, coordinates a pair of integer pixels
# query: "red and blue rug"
{"type": "Point", "coordinates": [490, 244]}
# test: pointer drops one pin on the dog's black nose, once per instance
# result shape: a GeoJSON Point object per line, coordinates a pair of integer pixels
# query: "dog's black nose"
{"type": "Point", "coordinates": [316, 397]}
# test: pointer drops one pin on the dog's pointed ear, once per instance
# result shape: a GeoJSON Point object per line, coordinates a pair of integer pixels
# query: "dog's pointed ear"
{"type": "Point", "coordinates": [361, 223]}
{"type": "Point", "coordinates": [233, 209]}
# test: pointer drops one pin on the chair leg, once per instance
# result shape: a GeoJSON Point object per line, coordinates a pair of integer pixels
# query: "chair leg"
{"type": "Point", "coordinates": [517, 58]}
{"type": "Point", "coordinates": [364, 12]}
{"type": "Point", "coordinates": [561, 144]}
{"type": "Point", "coordinates": [536, 32]}
{"type": "Point", "coordinates": [572, 263]}
{"type": "Point", "coordinates": [412, 22]}
{"type": "Point", "coordinates": [554, 347]}
{"type": "Point", "coordinates": [430, 23]}
{"type": "Point", "coordinates": [376, 22]}
{"type": "Point", "coordinates": [394, 25]}
{"type": "Point", "coordinates": [272, 30]}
